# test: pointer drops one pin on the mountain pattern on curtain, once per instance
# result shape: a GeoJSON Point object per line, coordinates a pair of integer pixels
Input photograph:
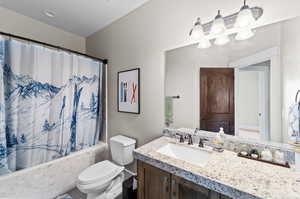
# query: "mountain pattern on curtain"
{"type": "Point", "coordinates": [50, 104]}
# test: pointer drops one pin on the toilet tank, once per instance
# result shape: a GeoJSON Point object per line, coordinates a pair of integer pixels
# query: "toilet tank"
{"type": "Point", "coordinates": [121, 148]}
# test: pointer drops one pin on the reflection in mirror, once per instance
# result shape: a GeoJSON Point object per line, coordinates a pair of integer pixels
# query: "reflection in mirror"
{"type": "Point", "coordinates": [252, 99]}
{"type": "Point", "coordinates": [247, 87]}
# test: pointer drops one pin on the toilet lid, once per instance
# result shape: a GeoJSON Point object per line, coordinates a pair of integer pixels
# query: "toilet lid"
{"type": "Point", "coordinates": [102, 171]}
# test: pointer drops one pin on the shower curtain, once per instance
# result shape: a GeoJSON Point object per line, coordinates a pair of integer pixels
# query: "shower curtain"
{"type": "Point", "coordinates": [51, 103]}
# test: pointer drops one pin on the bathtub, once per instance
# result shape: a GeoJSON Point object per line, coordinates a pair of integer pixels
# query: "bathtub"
{"type": "Point", "coordinates": [48, 180]}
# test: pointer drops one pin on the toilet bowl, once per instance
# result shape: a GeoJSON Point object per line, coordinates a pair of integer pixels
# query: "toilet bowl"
{"type": "Point", "coordinates": [101, 180]}
{"type": "Point", "coordinates": [104, 179]}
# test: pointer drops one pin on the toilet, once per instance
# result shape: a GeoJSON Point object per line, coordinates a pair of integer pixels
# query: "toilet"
{"type": "Point", "coordinates": [104, 179]}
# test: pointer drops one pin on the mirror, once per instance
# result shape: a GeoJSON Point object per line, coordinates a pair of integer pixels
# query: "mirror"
{"type": "Point", "coordinates": [246, 87]}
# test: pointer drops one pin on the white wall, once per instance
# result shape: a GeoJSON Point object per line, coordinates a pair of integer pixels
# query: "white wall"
{"type": "Point", "coordinates": [140, 40]}
{"type": "Point", "coordinates": [248, 99]}
{"type": "Point", "coordinates": [14, 23]}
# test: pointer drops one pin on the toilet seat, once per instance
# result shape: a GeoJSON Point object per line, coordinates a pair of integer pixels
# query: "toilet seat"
{"type": "Point", "coordinates": [100, 174]}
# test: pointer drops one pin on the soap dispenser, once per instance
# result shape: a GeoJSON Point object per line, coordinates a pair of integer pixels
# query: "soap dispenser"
{"type": "Point", "coordinates": [218, 141]}
{"type": "Point", "coordinates": [220, 136]}
{"type": "Point", "coordinates": [221, 131]}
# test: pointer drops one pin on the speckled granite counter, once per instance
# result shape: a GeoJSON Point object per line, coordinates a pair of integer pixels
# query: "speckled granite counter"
{"type": "Point", "coordinates": [227, 174]}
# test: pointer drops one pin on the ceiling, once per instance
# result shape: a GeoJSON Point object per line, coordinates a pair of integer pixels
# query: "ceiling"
{"type": "Point", "coordinates": [81, 17]}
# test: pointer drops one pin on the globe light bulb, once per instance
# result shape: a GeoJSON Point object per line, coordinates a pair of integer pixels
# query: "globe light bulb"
{"type": "Point", "coordinates": [218, 27]}
{"type": "Point", "coordinates": [245, 18]}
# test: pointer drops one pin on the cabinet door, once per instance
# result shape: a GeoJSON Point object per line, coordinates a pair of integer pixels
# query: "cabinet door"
{"type": "Point", "coordinates": [182, 189]}
{"type": "Point", "coordinates": [153, 182]}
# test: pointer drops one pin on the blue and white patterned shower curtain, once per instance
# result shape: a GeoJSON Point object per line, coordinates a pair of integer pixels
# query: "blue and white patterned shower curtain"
{"type": "Point", "coordinates": [50, 104]}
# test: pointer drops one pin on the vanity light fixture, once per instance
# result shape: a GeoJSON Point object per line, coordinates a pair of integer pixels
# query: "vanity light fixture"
{"type": "Point", "coordinates": [197, 31]}
{"type": "Point", "coordinates": [239, 23]}
{"type": "Point", "coordinates": [245, 18]}
{"type": "Point", "coordinates": [218, 28]}
{"type": "Point", "coordinates": [244, 23]}
{"type": "Point", "coordinates": [204, 43]}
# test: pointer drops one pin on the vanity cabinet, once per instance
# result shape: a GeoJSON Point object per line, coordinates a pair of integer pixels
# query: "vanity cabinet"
{"type": "Point", "coordinates": [182, 189]}
{"type": "Point", "coordinates": [154, 183]}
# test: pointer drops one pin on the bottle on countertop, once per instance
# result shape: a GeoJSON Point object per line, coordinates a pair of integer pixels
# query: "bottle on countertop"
{"type": "Point", "coordinates": [220, 136]}
{"type": "Point", "coordinates": [221, 131]}
{"type": "Point", "coordinates": [218, 141]}
{"type": "Point", "coordinates": [279, 157]}
{"type": "Point", "coordinates": [266, 155]}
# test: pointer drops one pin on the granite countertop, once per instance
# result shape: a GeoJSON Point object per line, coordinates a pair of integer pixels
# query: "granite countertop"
{"type": "Point", "coordinates": [227, 173]}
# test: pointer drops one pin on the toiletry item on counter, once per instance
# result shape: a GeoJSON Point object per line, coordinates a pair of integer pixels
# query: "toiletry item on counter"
{"type": "Point", "coordinates": [254, 154]}
{"type": "Point", "coordinates": [221, 132]}
{"type": "Point", "coordinates": [266, 155]}
{"type": "Point", "coordinates": [218, 139]}
{"type": "Point", "coordinates": [297, 159]}
{"type": "Point", "coordinates": [279, 157]}
{"type": "Point", "coordinates": [244, 150]}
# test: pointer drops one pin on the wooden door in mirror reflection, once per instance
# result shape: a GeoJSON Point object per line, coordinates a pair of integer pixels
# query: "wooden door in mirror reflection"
{"type": "Point", "coordinates": [217, 99]}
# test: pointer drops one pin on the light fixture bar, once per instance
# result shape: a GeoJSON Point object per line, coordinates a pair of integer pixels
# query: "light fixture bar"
{"type": "Point", "coordinates": [231, 19]}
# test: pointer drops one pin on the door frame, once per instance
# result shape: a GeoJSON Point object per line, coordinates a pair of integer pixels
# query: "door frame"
{"type": "Point", "coordinates": [272, 55]}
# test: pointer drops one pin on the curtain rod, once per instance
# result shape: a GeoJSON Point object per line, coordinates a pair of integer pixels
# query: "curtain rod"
{"type": "Point", "coordinates": [105, 61]}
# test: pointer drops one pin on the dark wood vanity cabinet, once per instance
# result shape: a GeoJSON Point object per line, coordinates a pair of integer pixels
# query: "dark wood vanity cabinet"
{"type": "Point", "coordinates": [182, 189]}
{"type": "Point", "coordinates": [154, 183]}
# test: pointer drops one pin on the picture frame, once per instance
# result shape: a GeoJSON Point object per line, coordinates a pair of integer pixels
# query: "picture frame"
{"type": "Point", "coordinates": [129, 91]}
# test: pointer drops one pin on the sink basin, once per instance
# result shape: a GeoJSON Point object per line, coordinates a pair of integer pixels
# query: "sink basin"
{"type": "Point", "coordinates": [194, 156]}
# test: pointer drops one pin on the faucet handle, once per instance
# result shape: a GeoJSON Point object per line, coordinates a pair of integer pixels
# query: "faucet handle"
{"type": "Point", "coordinates": [181, 138]}
{"type": "Point", "coordinates": [190, 139]}
{"type": "Point", "coordinates": [202, 141]}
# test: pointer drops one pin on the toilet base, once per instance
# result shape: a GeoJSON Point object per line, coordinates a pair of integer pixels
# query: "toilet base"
{"type": "Point", "coordinates": [113, 191]}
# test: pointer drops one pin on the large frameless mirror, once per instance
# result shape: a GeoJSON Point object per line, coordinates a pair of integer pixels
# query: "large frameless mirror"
{"type": "Point", "coordinates": [247, 87]}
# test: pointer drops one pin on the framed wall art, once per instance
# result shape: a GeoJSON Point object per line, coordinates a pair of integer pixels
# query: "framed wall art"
{"type": "Point", "coordinates": [129, 91]}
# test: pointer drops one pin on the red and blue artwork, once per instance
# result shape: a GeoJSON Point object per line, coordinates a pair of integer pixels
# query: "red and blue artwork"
{"type": "Point", "coordinates": [128, 91]}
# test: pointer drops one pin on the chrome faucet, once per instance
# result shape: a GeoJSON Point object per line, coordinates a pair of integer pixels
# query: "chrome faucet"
{"type": "Point", "coordinates": [190, 139]}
